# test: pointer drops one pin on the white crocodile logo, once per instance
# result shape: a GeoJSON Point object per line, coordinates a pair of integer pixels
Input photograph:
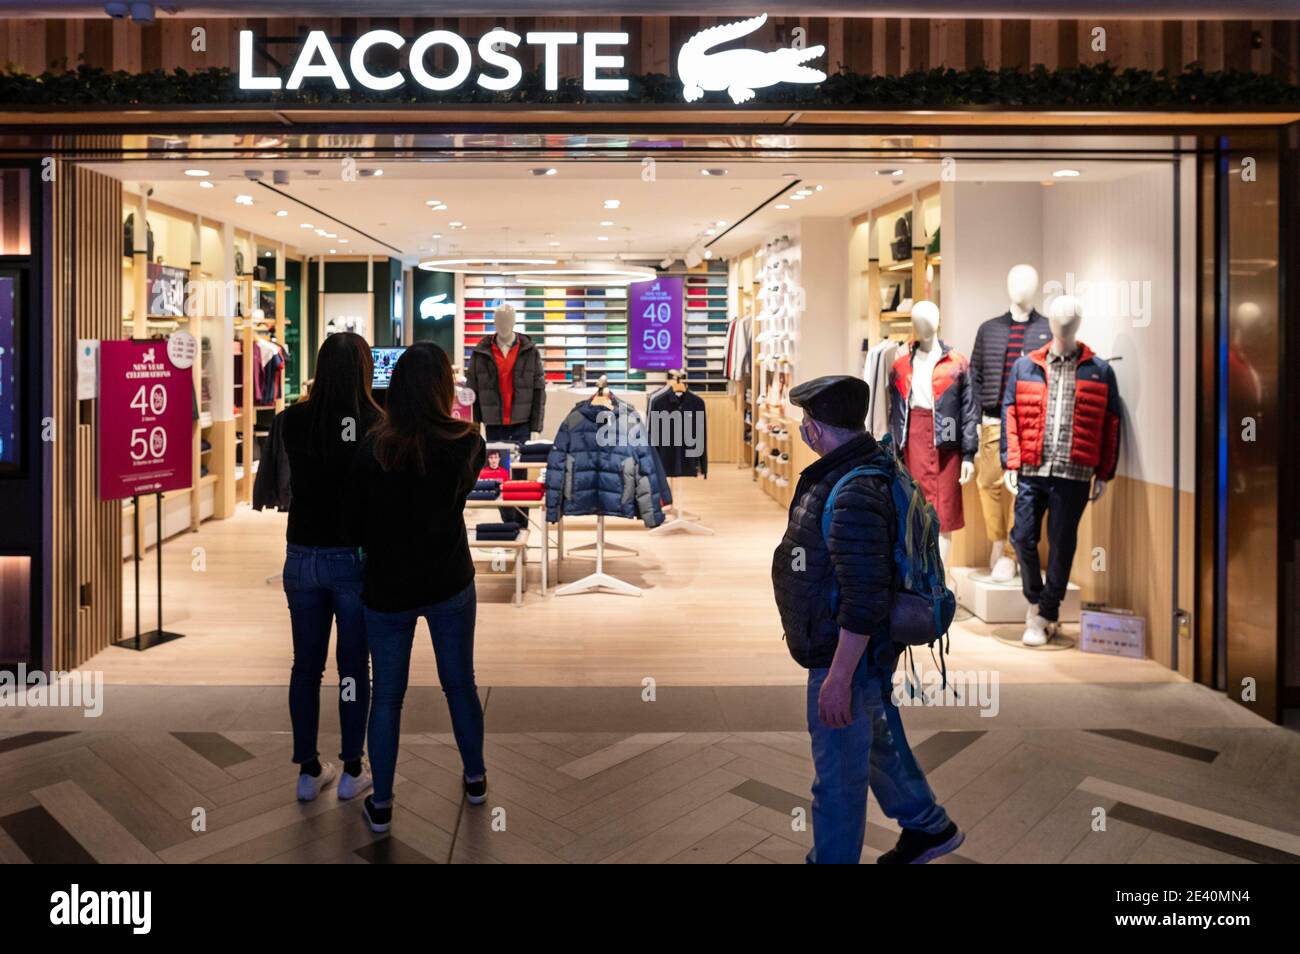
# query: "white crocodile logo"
{"type": "Point", "coordinates": [740, 72]}
{"type": "Point", "coordinates": [437, 307]}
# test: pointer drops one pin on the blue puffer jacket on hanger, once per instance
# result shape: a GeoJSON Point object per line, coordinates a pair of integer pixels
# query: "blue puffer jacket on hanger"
{"type": "Point", "coordinates": [602, 463]}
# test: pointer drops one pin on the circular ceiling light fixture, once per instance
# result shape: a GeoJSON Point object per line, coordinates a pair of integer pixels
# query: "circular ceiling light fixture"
{"type": "Point", "coordinates": [498, 265]}
{"type": "Point", "coordinates": [197, 173]}
{"type": "Point", "coordinates": [1067, 173]}
{"type": "Point", "coordinates": [588, 272]}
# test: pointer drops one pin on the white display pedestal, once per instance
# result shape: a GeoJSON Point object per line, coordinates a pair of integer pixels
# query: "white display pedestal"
{"type": "Point", "coordinates": [600, 580]}
{"type": "Point", "coordinates": [1003, 602]}
{"type": "Point", "coordinates": [682, 521]}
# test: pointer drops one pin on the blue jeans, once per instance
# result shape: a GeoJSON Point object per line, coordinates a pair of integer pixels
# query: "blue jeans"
{"type": "Point", "coordinates": [1063, 501]}
{"type": "Point", "coordinates": [451, 624]}
{"type": "Point", "coordinates": [322, 585]}
{"type": "Point", "coordinates": [871, 752]}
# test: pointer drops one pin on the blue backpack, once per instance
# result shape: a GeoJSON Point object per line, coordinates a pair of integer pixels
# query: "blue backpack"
{"type": "Point", "coordinates": [923, 607]}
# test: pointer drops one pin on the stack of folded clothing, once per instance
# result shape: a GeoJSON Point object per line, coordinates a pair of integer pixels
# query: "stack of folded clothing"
{"type": "Point", "coordinates": [535, 452]}
{"type": "Point", "coordinates": [496, 531]}
{"type": "Point", "coordinates": [486, 490]}
{"type": "Point", "coordinates": [523, 490]}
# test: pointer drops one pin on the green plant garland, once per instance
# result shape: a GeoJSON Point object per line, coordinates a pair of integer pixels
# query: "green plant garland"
{"type": "Point", "coordinates": [1093, 86]}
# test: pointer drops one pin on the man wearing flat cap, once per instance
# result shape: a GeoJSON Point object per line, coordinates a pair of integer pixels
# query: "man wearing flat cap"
{"type": "Point", "coordinates": [857, 741]}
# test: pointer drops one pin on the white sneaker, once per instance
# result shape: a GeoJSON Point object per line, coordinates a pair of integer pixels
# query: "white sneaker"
{"type": "Point", "coordinates": [1004, 570]}
{"type": "Point", "coordinates": [1036, 631]}
{"type": "Point", "coordinates": [309, 786]}
{"type": "Point", "coordinates": [350, 786]}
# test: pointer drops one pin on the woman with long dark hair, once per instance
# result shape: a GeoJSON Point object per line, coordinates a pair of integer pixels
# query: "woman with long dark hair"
{"type": "Point", "coordinates": [410, 485]}
{"type": "Point", "coordinates": [322, 567]}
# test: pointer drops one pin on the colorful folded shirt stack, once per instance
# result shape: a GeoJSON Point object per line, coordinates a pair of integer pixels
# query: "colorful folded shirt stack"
{"type": "Point", "coordinates": [486, 490]}
{"type": "Point", "coordinates": [496, 531]}
{"type": "Point", "coordinates": [523, 490]}
{"type": "Point", "coordinates": [535, 452]}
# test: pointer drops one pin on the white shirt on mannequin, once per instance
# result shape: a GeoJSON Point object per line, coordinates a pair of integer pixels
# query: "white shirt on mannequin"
{"type": "Point", "coordinates": [923, 363]}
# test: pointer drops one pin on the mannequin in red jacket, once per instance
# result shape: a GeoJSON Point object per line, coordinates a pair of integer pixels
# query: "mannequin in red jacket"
{"type": "Point", "coordinates": [1050, 477]}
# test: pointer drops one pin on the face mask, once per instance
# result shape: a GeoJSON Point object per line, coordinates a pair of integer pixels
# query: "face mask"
{"type": "Point", "coordinates": [807, 438]}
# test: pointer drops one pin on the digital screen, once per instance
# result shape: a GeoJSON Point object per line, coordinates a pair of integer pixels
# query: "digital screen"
{"type": "Point", "coordinates": [385, 361]}
{"type": "Point", "coordinates": [9, 356]}
{"type": "Point", "coordinates": [655, 315]}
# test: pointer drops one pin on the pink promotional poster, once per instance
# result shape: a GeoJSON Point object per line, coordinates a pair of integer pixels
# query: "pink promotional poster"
{"type": "Point", "coordinates": [145, 420]}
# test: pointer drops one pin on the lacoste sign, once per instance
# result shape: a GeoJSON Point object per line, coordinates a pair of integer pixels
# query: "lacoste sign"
{"type": "Point", "coordinates": [493, 64]}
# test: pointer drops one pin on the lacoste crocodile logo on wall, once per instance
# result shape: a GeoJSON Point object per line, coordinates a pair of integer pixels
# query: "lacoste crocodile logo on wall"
{"type": "Point", "coordinates": [740, 72]}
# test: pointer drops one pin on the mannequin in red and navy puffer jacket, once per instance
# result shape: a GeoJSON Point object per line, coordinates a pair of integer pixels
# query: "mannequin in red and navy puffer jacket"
{"type": "Point", "coordinates": [1094, 438]}
{"type": "Point", "coordinates": [956, 412]}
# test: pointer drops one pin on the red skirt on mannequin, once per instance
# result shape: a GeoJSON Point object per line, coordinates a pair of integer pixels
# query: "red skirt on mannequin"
{"type": "Point", "coordinates": [937, 471]}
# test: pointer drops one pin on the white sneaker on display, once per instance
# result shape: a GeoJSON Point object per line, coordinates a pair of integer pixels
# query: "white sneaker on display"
{"type": "Point", "coordinates": [1036, 631]}
{"type": "Point", "coordinates": [350, 786]}
{"type": "Point", "coordinates": [1004, 570]}
{"type": "Point", "coordinates": [309, 786]}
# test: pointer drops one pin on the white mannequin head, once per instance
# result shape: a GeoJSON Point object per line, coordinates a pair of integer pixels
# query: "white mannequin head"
{"type": "Point", "coordinates": [925, 322]}
{"type": "Point", "coordinates": [1067, 313]}
{"type": "Point", "coordinates": [1022, 287]}
{"type": "Point", "coordinates": [504, 320]}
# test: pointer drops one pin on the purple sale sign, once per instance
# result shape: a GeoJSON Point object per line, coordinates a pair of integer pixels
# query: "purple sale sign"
{"type": "Point", "coordinates": [655, 316]}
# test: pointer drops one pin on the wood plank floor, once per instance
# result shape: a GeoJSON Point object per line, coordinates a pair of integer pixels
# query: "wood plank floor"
{"type": "Point", "coordinates": [707, 616]}
{"type": "Point", "coordinates": [1199, 783]}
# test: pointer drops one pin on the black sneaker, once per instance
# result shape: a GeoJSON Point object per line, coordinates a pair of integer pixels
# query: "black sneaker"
{"type": "Point", "coordinates": [476, 792]}
{"type": "Point", "coordinates": [918, 848]}
{"type": "Point", "coordinates": [379, 819]}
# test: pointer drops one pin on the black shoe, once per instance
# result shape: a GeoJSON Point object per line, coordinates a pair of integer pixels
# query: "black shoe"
{"type": "Point", "coordinates": [379, 819]}
{"type": "Point", "coordinates": [918, 848]}
{"type": "Point", "coordinates": [476, 792]}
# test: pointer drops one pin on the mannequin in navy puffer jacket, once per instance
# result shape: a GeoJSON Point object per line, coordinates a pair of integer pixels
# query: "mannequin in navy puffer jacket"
{"type": "Point", "coordinates": [602, 463]}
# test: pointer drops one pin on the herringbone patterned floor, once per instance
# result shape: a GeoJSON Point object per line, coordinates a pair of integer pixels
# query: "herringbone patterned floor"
{"type": "Point", "coordinates": [143, 793]}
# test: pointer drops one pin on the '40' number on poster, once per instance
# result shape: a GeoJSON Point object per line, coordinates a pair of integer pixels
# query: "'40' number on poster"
{"type": "Point", "coordinates": [662, 339]}
{"type": "Point", "coordinates": [147, 442]}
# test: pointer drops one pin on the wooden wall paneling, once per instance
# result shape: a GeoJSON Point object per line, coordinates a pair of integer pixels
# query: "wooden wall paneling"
{"type": "Point", "coordinates": [1043, 39]}
{"type": "Point", "coordinates": [87, 296]}
{"type": "Point", "coordinates": [1211, 44]}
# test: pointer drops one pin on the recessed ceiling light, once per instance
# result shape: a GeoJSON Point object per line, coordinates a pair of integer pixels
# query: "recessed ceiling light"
{"type": "Point", "coordinates": [1066, 173]}
{"type": "Point", "coordinates": [713, 172]}
{"type": "Point", "coordinates": [306, 225]}
{"type": "Point", "coordinates": [798, 197]}
{"type": "Point", "coordinates": [320, 231]}
{"type": "Point", "coordinates": [804, 192]}
{"type": "Point", "coordinates": [710, 231]}
{"type": "Point", "coordinates": [456, 225]}
{"type": "Point", "coordinates": [782, 206]}
{"type": "Point", "coordinates": [708, 253]}
{"type": "Point", "coordinates": [281, 213]}
{"type": "Point", "coordinates": [602, 238]}
{"type": "Point", "coordinates": [205, 184]}
{"type": "Point", "coordinates": [433, 201]}
{"type": "Point", "coordinates": [437, 235]}
{"type": "Point", "coordinates": [789, 175]}
{"type": "Point", "coordinates": [606, 223]}
{"type": "Point", "coordinates": [721, 223]}
{"type": "Point", "coordinates": [344, 241]}
{"type": "Point", "coordinates": [889, 172]}
{"type": "Point", "coordinates": [545, 171]}
{"type": "Point", "coordinates": [378, 172]}
{"type": "Point", "coordinates": [331, 235]}
{"type": "Point", "coordinates": [197, 173]}
{"type": "Point", "coordinates": [612, 203]}
{"type": "Point", "coordinates": [553, 244]}
{"type": "Point", "coordinates": [818, 188]}
{"type": "Point", "coordinates": [244, 199]}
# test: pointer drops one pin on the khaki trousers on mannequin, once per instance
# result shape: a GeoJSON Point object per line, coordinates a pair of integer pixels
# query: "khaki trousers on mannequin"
{"type": "Point", "coordinates": [996, 502]}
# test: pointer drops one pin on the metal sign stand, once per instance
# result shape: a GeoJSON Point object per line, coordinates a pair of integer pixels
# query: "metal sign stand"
{"type": "Point", "coordinates": [154, 637]}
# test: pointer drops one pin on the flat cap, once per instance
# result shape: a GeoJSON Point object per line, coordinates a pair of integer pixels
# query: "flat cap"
{"type": "Point", "coordinates": [836, 399]}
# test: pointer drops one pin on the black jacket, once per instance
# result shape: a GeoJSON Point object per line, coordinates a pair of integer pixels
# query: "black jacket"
{"type": "Point", "coordinates": [860, 555]}
{"type": "Point", "coordinates": [667, 416]}
{"type": "Point", "coordinates": [411, 526]}
{"type": "Point", "coordinates": [312, 485]}
{"type": "Point", "coordinates": [528, 406]}
{"type": "Point", "coordinates": [989, 355]}
{"type": "Point", "coordinates": [271, 490]}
